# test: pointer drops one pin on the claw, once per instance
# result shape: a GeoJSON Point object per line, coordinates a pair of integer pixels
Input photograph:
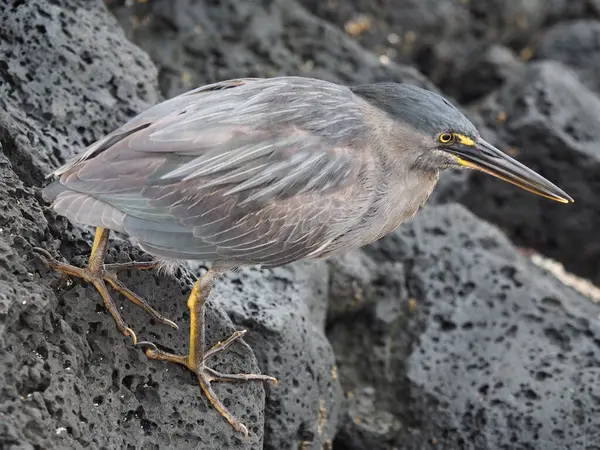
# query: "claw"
{"type": "Point", "coordinates": [149, 344]}
{"type": "Point", "coordinates": [170, 323]}
{"type": "Point", "coordinates": [44, 254]}
{"type": "Point", "coordinates": [132, 335]}
{"type": "Point", "coordinates": [242, 429]}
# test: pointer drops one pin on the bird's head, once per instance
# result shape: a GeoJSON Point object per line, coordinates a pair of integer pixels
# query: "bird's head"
{"type": "Point", "coordinates": [441, 137]}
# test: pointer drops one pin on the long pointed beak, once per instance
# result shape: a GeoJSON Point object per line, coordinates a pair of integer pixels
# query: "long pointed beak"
{"type": "Point", "coordinates": [486, 158]}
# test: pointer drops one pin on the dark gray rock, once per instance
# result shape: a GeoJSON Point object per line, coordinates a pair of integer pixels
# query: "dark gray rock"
{"type": "Point", "coordinates": [65, 67]}
{"type": "Point", "coordinates": [552, 121]}
{"type": "Point", "coordinates": [487, 72]}
{"type": "Point", "coordinates": [284, 311]}
{"type": "Point", "coordinates": [195, 42]}
{"type": "Point", "coordinates": [577, 45]}
{"type": "Point", "coordinates": [457, 341]}
{"type": "Point", "coordinates": [452, 185]}
{"type": "Point", "coordinates": [443, 37]}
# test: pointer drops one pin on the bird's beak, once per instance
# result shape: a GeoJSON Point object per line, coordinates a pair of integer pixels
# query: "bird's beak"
{"type": "Point", "coordinates": [482, 156]}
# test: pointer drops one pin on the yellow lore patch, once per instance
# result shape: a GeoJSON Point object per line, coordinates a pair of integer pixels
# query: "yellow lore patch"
{"type": "Point", "coordinates": [465, 140]}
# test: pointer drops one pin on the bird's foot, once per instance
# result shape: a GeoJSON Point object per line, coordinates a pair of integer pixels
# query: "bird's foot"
{"type": "Point", "coordinates": [99, 275]}
{"type": "Point", "coordinates": [206, 375]}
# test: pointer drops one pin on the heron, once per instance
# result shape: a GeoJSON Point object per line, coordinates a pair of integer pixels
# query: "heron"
{"type": "Point", "coordinates": [265, 172]}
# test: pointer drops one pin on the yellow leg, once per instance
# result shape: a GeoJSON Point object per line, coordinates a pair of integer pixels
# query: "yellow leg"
{"type": "Point", "coordinates": [99, 274]}
{"type": "Point", "coordinates": [196, 358]}
{"type": "Point", "coordinates": [100, 238]}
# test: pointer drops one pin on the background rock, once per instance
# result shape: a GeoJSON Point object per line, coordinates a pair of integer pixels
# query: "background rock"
{"type": "Point", "coordinates": [488, 71]}
{"type": "Point", "coordinates": [196, 42]}
{"type": "Point", "coordinates": [442, 37]}
{"type": "Point", "coordinates": [575, 44]}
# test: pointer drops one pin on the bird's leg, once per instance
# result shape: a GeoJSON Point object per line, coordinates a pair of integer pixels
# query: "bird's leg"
{"type": "Point", "coordinates": [99, 274]}
{"type": "Point", "coordinates": [196, 359]}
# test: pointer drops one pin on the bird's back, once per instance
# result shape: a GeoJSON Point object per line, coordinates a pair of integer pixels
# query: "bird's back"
{"type": "Point", "coordinates": [253, 171]}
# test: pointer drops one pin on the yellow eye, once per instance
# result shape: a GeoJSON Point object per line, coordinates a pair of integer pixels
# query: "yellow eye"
{"type": "Point", "coordinates": [446, 138]}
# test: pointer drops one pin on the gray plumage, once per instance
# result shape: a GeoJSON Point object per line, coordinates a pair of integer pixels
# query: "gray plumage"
{"type": "Point", "coordinates": [260, 171]}
{"type": "Point", "coordinates": [422, 110]}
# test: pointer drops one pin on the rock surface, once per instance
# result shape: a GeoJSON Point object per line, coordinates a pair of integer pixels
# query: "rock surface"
{"type": "Point", "coordinates": [284, 309]}
{"type": "Point", "coordinates": [444, 336]}
{"type": "Point", "coordinates": [457, 341]}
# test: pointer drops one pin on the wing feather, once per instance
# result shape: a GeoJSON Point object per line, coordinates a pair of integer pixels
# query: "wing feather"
{"type": "Point", "coordinates": [250, 171]}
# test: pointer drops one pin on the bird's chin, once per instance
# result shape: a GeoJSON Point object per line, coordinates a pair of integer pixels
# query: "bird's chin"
{"type": "Point", "coordinates": [436, 160]}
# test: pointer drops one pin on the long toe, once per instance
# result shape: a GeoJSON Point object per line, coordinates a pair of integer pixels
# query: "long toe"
{"type": "Point", "coordinates": [98, 275]}
{"type": "Point", "coordinates": [94, 276]}
{"type": "Point", "coordinates": [63, 268]}
{"type": "Point", "coordinates": [118, 286]}
{"type": "Point", "coordinates": [206, 376]}
{"type": "Point", "coordinates": [143, 265]}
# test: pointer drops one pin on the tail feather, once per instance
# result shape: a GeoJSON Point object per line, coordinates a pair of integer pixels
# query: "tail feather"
{"type": "Point", "coordinates": [52, 191]}
{"type": "Point", "coordinates": [162, 239]}
{"type": "Point", "coordinates": [86, 210]}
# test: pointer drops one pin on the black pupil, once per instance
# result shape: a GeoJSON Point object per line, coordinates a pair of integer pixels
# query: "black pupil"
{"type": "Point", "coordinates": [446, 137]}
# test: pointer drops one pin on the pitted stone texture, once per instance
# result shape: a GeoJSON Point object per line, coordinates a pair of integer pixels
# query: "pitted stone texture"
{"type": "Point", "coordinates": [70, 380]}
{"type": "Point", "coordinates": [68, 76]}
{"type": "Point", "coordinates": [552, 122]}
{"type": "Point", "coordinates": [159, 404]}
{"type": "Point", "coordinates": [485, 351]}
{"type": "Point", "coordinates": [283, 310]}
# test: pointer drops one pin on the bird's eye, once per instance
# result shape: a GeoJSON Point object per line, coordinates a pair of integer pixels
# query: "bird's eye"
{"type": "Point", "coordinates": [446, 138]}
